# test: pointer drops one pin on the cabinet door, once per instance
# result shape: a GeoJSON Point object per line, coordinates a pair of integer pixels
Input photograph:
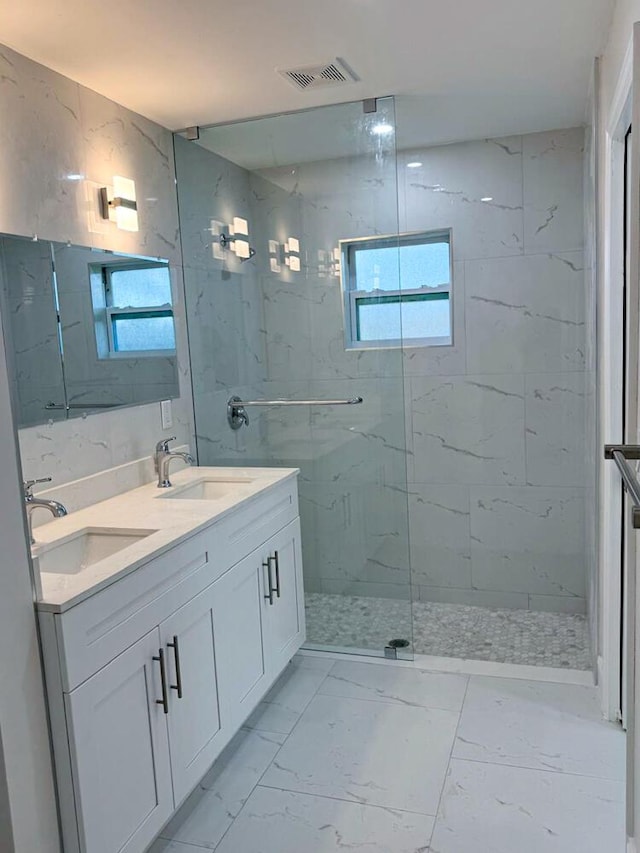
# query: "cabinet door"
{"type": "Point", "coordinates": [239, 611]}
{"type": "Point", "coordinates": [194, 717]}
{"type": "Point", "coordinates": [285, 618]}
{"type": "Point", "coordinates": [120, 752]}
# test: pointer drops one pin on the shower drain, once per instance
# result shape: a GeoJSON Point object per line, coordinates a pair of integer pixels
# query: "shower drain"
{"type": "Point", "coordinates": [391, 649]}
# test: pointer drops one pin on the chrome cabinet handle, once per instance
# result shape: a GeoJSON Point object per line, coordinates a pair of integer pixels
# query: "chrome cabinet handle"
{"type": "Point", "coordinates": [267, 566]}
{"type": "Point", "coordinates": [163, 678]}
{"type": "Point", "coordinates": [176, 655]}
{"type": "Point", "coordinates": [277, 562]}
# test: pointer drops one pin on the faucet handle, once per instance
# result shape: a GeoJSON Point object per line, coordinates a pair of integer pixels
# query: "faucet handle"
{"type": "Point", "coordinates": [28, 485]}
{"type": "Point", "coordinates": [163, 444]}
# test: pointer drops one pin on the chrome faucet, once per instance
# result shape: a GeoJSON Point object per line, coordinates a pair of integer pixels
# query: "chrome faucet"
{"type": "Point", "coordinates": [32, 503]}
{"type": "Point", "coordinates": [162, 459]}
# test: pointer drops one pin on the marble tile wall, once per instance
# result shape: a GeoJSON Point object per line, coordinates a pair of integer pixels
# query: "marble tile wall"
{"type": "Point", "coordinates": [62, 143]}
{"type": "Point", "coordinates": [224, 304]}
{"type": "Point", "coordinates": [498, 466]}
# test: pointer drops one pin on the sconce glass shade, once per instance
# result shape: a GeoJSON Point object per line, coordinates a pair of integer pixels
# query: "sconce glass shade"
{"type": "Point", "coordinates": [240, 227]}
{"type": "Point", "coordinates": [126, 214]}
{"type": "Point", "coordinates": [241, 248]}
{"type": "Point", "coordinates": [274, 256]}
{"type": "Point", "coordinates": [293, 244]}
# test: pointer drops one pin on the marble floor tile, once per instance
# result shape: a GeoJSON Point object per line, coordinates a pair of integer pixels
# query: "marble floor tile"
{"type": "Point", "coordinates": [544, 726]}
{"type": "Point", "coordinates": [210, 811]}
{"type": "Point", "coordinates": [275, 821]}
{"type": "Point", "coordinates": [373, 753]}
{"type": "Point", "coordinates": [319, 664]}
{"type": "Point", "coordinates": [394, 685]}
{"type": "Point", "coordinates": [280, 709]}
{"type": "Point", "coordinates": [498, 809]}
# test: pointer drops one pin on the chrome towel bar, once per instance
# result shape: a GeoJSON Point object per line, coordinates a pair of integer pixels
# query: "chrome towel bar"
{"type": "Point", "coordinates": [620, 453]}
{"type": "Point", "coordinates": [236, 415]}
{"type": "Point", "coordinates": [68, 406]}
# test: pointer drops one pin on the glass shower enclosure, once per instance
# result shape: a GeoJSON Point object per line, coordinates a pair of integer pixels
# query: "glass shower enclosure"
{"type": "Point", "coordinates": [269, 209]}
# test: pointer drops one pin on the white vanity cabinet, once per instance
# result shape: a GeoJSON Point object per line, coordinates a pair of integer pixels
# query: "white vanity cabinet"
{"type": "Point", "coordinates": [120, 753]}
{"type": "Point", "coordinates": [151, 677]}
{"type": "Point", "coordinates": [187, 643]}
{"type": "Point", "coordinates": [258, 631]}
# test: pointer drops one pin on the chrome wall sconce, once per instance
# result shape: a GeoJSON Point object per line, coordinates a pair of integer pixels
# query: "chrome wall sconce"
{"type": "Point", "coordinates": [292, 254]}
{"type": "Point", "coordinates": [329, 262]}
{"type": "Point", "coordinates": [118, 203]}
{"type": "Point", "coordinates": [237, 240]}
{"type": "Point", "coordinates": [284, 254]}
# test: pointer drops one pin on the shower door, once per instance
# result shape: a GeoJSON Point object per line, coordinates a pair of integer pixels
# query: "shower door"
{"type": "Point", "coordinates": [265, 209]}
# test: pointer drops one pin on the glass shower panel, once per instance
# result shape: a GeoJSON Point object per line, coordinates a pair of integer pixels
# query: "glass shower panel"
{"type": "Point", "coordinates": [501, 489]}
{"type": "Point", "coordinates": [276, 326]}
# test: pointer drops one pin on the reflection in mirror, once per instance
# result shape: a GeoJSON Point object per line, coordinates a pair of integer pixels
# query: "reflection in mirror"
{"type": "Point", "coordinates": [88, 330]}
{"type": "Point", "coordinates": [31, 329]}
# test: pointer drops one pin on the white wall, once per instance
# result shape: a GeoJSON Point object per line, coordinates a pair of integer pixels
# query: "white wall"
{"type": "Point", "coordinates": [23, 724]}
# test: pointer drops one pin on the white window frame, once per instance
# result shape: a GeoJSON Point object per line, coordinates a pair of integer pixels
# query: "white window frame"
{"type": "Point", "coordinates": [352, 296]}
{"type": "Point", "coordinates": [131, 312]}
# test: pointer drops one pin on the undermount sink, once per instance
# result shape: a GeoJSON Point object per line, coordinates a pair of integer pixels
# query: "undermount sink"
{"type": "Point", "coordinates": [86, 548]}
{"type": "Point", "coordinates": [209, 489]}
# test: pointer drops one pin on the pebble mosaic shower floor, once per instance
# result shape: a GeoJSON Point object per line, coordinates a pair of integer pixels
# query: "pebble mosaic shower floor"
{"type": "Point", "coordinates": [450, 630]}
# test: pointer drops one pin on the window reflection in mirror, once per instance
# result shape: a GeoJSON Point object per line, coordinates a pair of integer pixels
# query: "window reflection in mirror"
{"type": "Point", "coordinates": [87, 330]}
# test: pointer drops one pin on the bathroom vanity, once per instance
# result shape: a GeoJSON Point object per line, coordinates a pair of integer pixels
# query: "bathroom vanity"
{"type": "Point", "coordinates": [166, 615]}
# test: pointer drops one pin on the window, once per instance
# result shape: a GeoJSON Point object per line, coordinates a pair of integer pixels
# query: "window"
{"type": "Point", "coordinates": [398, 290]}
{"type": "Point", "coordinates": [134, 302]}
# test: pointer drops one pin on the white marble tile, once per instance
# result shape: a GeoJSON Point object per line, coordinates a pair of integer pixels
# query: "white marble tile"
{"type": "Point", "coordinates": [276, 821]}
{"type": "Point", "coordinates": [526, 315]}
{"type": "Point", "coordinates": [528, 539]}
{"type": "Point", "coordinates": [206, 818]}
{"type": "Point", "coordinates": [210, 189]}
{"type": "Point", "coordinates": [396, 686]}
{"type": "Point", "coordinates": [281, 708]}
{"type": "Point", "coordinates": [474, 597]}
{"type": "Point", "coordinates": [501, 809]}
{"type": "Point", "coordinates": [373, 753]}
{"type": "Point", "coordinates": [448, 189]}
{"type": "Point", "coordinates": [320, 664]}
{"type": "Point", "coordinates": [399, 593]}
{"type": "Point", "coordinates": [558, 604]}
{"type": "Point", "coordinates": [42, 146]}
{"type": "Point", "coordinates": [440, 535]}
{"type": "Point", "coordinates": [555, 422]}
{"type": "Point", "coordinates": [75, 139]}
{"type": "Point", "coordinates": [468, 429]}
{"type": "Point", "coordinates": [554, 727]}
{"type": "Point", "coordinates": [118, 141]}
{"type": "Point", "coordinates": [553, 190]}
{"type": "Point", "coordinates": [161, 845]}
{"type": "Point", "coordinates": [287, 319]}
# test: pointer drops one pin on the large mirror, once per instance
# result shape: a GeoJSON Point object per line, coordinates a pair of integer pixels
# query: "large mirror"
{"type": "Point", "coordinates": [86, 330]}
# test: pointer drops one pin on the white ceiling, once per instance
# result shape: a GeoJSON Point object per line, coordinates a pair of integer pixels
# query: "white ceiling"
{"type": "Point", "coordinates": [469, 68]}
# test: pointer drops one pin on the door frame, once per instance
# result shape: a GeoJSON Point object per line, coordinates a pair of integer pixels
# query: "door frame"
{"type": "Point", "coordinates": [610, 661]}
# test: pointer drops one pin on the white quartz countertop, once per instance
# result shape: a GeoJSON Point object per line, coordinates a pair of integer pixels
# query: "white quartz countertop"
{"type": "Point", "coordinates": [145, 508]}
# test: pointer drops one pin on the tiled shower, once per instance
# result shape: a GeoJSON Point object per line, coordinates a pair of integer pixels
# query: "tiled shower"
{"type": "Point", "coordinates": [450, 508]}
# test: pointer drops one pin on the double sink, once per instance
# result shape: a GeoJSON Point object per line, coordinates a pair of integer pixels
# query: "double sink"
{"type": "Point", "coordinates": [83, 549]}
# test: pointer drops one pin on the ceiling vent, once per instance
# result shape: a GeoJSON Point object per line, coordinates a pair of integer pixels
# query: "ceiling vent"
{"type": "Point", "coordinates": [334, 73]}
